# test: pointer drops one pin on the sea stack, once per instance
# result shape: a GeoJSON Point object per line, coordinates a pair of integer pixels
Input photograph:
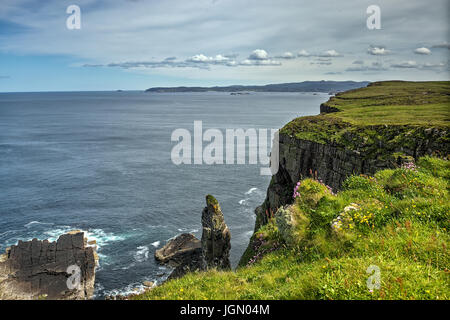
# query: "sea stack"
{"type": "Point", "coordinates": [39, 269]}
{"type": "Point", "coordinates": [215, 237]}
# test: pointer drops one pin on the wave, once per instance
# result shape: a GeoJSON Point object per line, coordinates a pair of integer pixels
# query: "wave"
{"type": "Point", "coordinates": [133, 288]}
{"type": "Point", "coordinates": [190, 230]}
{"type": "Point", "coordinates": [32, 223]}
{"type": "Point", "coordinates": [251, 190]}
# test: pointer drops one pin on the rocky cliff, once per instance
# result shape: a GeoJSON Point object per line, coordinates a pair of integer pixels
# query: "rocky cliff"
{"type": "Point", "coordinates": [64, 269]}
{"type": "Point", "coordinates": [359, 132]}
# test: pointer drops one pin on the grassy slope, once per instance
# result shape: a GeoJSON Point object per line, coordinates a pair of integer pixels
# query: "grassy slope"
{"type": "Point", "coordinates": [401, 224]}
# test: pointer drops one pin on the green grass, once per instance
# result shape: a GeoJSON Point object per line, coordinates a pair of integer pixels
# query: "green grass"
{"type": "Point", "coordinates": [400, 222]}
{"type": "Point", "coordinates": [395, 102]}
{"type": "Point", "coordinates": [388, 114]}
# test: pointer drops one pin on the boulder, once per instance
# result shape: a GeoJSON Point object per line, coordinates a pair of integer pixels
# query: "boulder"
{"type": "Point", "coordinates": [215, 237]}
{"type": "Point", "coordinates": [184, 253]}
{"type": "Point", "coordinates": [179, 249]}
{"type": "Point", "coordinates": [64, 269]}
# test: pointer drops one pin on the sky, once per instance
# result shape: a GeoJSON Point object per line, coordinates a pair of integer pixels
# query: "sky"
{"type": "Point", "coordinates": [137, 44]}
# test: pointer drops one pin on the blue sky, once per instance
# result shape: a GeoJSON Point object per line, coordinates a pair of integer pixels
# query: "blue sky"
{"type": "Point", "coordinates": [136, 44]}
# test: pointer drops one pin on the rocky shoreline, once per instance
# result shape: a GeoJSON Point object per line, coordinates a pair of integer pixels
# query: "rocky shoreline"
{"type": "Point", "coordinates": [185, 253]}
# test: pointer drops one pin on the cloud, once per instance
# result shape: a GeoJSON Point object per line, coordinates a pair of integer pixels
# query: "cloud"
{"type": "Point", "coordinates": [5, 77]}
{"type": "Point", "coordinates": [377, 51]}
{"type": "Point", "coordinates": [434, 65]}
{"type": "Point", "coordinates": [303, 53]}
{"type": "Point", "coordinates": [259, 54]}
{"type": "Point", "coordinates": [422, 50]}
{"type": "Point", "coordinates": [201, 58]}
{"type": "Point", "coordinates": [444, 45]}
{"type": "Point", "coordinates": [266, 62]}
{"type": "Point", "coordinates": [258, 57]}
{"type": "Point", "coordinates": [410, 64]}
{"type": "Point", "coordinates": [330, 53]}
{"type": "Point", "coordinates": [361, 67]}
{"type": "Point", "coordinates": [149, 34]}
{"type": "Point", "coordinates": [286, 55]}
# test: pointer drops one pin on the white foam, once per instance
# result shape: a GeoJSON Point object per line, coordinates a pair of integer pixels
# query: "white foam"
{"type": "Point", "coordinates": [141, 254]}
{"type": "Point", "coordinates": [156, 244]}
{"type": "Point", "coordinates": [243, 201]}
{"type": "Point", "coordinates": [251, 190]}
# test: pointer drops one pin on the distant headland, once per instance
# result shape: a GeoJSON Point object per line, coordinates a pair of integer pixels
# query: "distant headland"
{"type": "Point", "coordinates": [305, 86]}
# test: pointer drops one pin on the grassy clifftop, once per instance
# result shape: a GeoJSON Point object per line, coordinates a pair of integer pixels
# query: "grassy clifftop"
{"type": "Point", "coordinates": [321, 246]}
{"type": "Point", "coordinates": [396, 103]}
{"type": "Point", "coordinates": [384, 112]}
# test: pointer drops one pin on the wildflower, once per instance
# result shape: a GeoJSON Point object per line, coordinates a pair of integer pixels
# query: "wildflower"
{"type": "Point", "coordinates": [409, 166]}
{"type": "Point", "coordinates": [296, 193]}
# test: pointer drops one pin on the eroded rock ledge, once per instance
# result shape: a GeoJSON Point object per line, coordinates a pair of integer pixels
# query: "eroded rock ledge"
{"type": "Point", "coordinates": [38, 269]}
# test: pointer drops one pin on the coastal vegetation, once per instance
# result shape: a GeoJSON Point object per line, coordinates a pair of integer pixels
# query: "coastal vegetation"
{"type": "Point", "coordinates": [313, 241]}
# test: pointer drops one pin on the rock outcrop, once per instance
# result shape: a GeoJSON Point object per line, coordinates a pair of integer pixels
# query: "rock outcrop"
{"type": "Point", "coordinates": [184, 253]}
{"type": "Point", "coordinates": [215, 237]}
{"type": "Point", "coordinates": [36, 269]}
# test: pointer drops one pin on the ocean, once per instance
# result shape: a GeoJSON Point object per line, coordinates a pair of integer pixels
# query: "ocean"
{"type": "Point", "coordinates": [101, 162]}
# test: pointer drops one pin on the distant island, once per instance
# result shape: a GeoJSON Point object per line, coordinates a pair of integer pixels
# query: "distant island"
{"type": "Point", "coordinates": [305, 86]}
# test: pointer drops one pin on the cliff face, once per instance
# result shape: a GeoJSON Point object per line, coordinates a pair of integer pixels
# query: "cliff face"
{"type": "Point", "coordinates": [41, 269]}
{"type": "Point", "coordinates": [332, 162]}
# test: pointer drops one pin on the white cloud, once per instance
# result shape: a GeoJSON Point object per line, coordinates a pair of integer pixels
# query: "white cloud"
{"type": "Point", "coordinates": [330, 53]}
{"type": "Point", "coordinates": [377, 51]}
{"type": "Point", "coordinates": [204, 59]}
{"type": "Point", "coordinates": [259, 54]}
{"type": "Point", "coordinates": [286, 55]}
{"type": "Point", "coordinates": [303, 53]}
{"type": "Point", "coordinates": [200, 58]}
{"type": "Point", "coordinates": [422, 50]}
